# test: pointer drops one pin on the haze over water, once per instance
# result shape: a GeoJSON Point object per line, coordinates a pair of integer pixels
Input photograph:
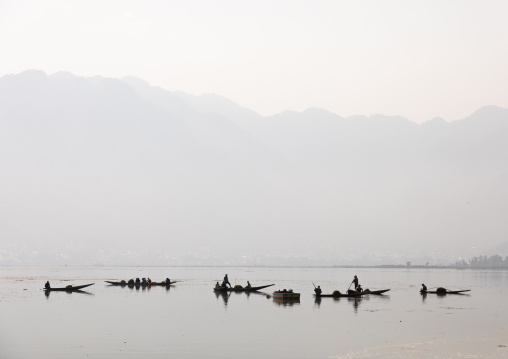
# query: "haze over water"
{"type": "Point", "coordinates": [191, 321]}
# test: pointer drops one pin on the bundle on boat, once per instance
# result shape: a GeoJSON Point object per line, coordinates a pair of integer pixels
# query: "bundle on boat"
{"type": "Point", "coordinates": [441, 290]}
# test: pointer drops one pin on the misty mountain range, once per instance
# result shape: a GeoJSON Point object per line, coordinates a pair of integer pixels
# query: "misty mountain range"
{"type": "Point", "coordinates": [118, 172]}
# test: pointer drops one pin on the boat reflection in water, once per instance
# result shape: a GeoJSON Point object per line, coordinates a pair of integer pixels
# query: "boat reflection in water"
{"type": "Point", "coordinates": [286, 302]}
{"type": "Point", "coordinates": [48, 292]}
{"type": "Point", "coordinates": [224, 295]}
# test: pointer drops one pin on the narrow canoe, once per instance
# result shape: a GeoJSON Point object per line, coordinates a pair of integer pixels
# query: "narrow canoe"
{"type": "Point", "coordinates": [447, 292]}
{"type": "Point", "coordinates": [126, 284]}
{"type": "Point", "coordinates": [251, 289]}
{"type": "Point", "coordinates": [375, 292]}
{"type": "Point", "coordinates": [68, 289]}
{"type": "Point", "coordinates": [341, 295]}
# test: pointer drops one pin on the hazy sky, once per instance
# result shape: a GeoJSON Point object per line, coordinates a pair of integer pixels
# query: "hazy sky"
{"type": "Point", "coordinates": [417, 59]}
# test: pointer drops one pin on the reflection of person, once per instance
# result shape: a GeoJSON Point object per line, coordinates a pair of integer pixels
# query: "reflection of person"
{"type": "Point", "coordinates": [424, 288]}
{"type": "Point", "coordinates": [355, 281]}
{"type": "Point", "coordinates": [318, 290]}
{"type": "Point", "coordinates": [226, 281]}
{"type": "Point", "coordinates": [47, 286]}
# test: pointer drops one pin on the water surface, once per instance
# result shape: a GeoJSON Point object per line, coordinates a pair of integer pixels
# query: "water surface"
{"type": "Point", "coordinates": [190, 321]}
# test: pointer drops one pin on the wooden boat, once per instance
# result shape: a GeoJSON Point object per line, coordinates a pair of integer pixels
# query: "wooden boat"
{"type": "Point", "coordinates": [338, 295]}
{"type": "Point", "coordinates": [279, 294]}
{"type": "Point", "coordinates": [445, 292]}
{"type": "Point", "coordinates": [69, 288]}
{"type": "Point", "coordinates": [375, 292]}
{"type": "Point", "coordinates": [240, 289]}
{"type": "Point", "coordinates": [141, 284]}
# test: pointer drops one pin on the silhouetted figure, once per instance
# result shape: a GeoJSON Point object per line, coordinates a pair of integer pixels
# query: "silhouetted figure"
{"type": "Point", "coordinates": [355, 281]}
{"type": "Point", "coordinates": [424, 288]}
{"type": "Point", "coordinates": [318, 291]}
{"type": "Point", "coordinates": [168, 282]}
{"type": "Point", "coordinates": [47, 286]}
{"type": "Point", "coordinates": [248, 285]}
{"type": "Point", "coordinates": [226, 281]}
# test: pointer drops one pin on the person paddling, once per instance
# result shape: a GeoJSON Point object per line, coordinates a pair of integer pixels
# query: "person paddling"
{"type": "Point", "coordinates": [226, 281]}
{"type": "Point", "coordinates": [355, 281]}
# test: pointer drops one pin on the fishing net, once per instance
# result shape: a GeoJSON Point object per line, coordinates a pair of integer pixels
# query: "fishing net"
{"type": "Point", "coordinates": [238, 286]}
{"type": "Point", "coordinates": [337, 292]}
{"type": "Point", "coordinates": [441, 290]}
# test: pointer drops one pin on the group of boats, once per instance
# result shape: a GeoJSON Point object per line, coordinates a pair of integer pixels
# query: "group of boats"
{"type": "Point", "coordinates": [279, 294]}
{"type": "Point", "coordinates": [130, 283]}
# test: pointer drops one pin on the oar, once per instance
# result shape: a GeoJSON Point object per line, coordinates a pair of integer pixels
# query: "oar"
{"type": "Point", "coordinates": [349, 287]}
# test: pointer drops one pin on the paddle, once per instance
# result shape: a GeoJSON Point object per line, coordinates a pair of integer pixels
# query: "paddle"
{"type": "Point", "coordinates": [348, 288]}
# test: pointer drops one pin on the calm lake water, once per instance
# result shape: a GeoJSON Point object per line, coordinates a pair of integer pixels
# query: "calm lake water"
{"type": "Point", "coordinates": [191, 321]}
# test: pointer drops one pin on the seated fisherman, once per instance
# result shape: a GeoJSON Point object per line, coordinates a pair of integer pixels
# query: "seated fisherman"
{"type": "Point", "coordinates": [424, 288]}
{"type": "Point", "coordinates": [248, 285]}
{"type": "Point", "coordinates": [318, 290]}
{"type": "Point", "coordinates": [47, 286]}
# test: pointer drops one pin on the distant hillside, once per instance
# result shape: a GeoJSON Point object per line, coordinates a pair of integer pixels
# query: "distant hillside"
{"type": "Point", "coordinates": [501, 249]}
{"type": "Point", "coordinates": [115, 171]}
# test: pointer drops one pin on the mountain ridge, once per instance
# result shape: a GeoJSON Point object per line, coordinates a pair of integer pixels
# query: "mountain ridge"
{"type": "Point", "coordinates": [133, 168]}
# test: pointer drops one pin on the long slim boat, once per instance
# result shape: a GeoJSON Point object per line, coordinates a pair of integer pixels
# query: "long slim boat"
{"type": "Point", "coordinates": [375, 292]}
{"type": "Point", "coordinates": [338, 295]}
{"type": "Point", "coordinates": [127, 284]}
{"type": "Point", "coordinates": [445, 292]}
{"type": "Point", "coordinates": [240, 289]}
{"type": "Point", "coordinates": [69, 288]}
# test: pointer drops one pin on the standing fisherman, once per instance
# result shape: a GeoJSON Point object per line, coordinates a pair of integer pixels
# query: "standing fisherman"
{"type": "Point", "coordinates": [226, 281]}
{"type": "Point", "coordinates": [355, 281]}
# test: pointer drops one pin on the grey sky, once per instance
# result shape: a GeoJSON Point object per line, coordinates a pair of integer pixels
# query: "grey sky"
{"type": "Point", "coordinates": [417, 59]}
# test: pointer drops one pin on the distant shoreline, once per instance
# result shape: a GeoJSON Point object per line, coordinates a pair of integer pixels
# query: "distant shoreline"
{"type": "Point", "coordinates": [381, 266]}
